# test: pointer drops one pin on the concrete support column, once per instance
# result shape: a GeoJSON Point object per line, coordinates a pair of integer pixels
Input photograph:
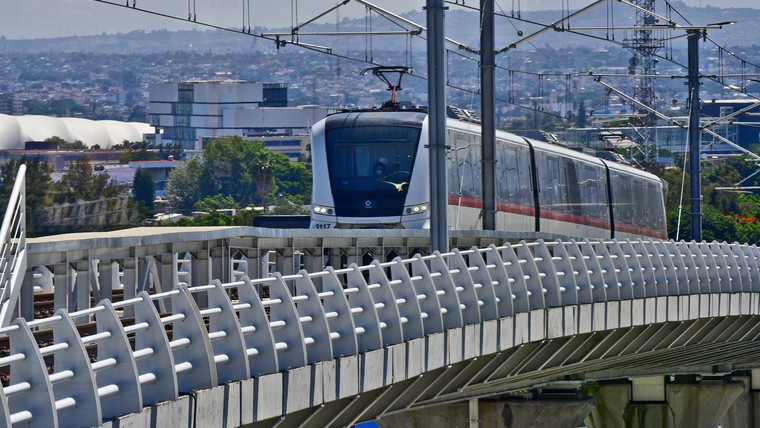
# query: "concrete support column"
{"type": "Point", "coordinates": [219, 264]}
{"type": "Point", "coordinates": [314, 261]}
{"type": "Point", "coordinates": [699, 404]}
{"type": "Point", "coordinates": [251, 263]}
{"type": "Point", "coordinates": [151, 274]}
{"type": "Point", "coordinates": [561, 413]}
{"type": "Point", "coordinates": [82, 288]}
{"type": "Point", "coordinates": [284, 261]}
{"type": "Point", "coordinates": [63, 279]}
{"type": "Point", "coordinates": [130, 267]}
{"type": "Point", "coordinates": [165, 263]}
{"type": "Point", "coordinates": [167, 271]}
{"type": "Point", "coordinates": [264, 262]}
{"type": "Point", "coordinates": [201, 268]}
{"type": "Point", "coordinates": [474, 420]}
{"type": "Point", "coordinates": [108, 278]}
{"type": "Point", "coordinates": [745, 413]}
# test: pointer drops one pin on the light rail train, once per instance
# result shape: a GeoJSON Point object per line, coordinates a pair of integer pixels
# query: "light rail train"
{"type": "Point", "coordinates": [371, 171]}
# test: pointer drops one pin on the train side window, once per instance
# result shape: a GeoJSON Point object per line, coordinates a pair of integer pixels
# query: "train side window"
{"type": "Point", "coordinates": [514, 180]}
{"type": "Point", "coordinates": [510, 179]}
{"type": "Point", "coordinates": [455, 164]}
{"type": "Point", "coordinates": [657, 196]}
{"type": "Point", "coordinates": [524, 175]}
{"type": "Point", "coordinates": [593, 184]}
{"type": "Point", "coordinates": [654, 216]}
{"type": "Point", "coordinates": [589, 191]}
{"type": "Point", "coordinates": [466, 167]}
{"type": "Point", "coordinates": [622, 195]}
{"type": "Point", "coordinates": [641, 205]}
{"type": "Point", "coordinates": [572, 186]}
{"type": "Point", "coordinates": [475, 158]}
{"type": "Point", "coordinates": [549, 182]}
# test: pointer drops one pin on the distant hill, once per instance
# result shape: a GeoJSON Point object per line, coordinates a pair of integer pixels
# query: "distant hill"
{"type": "Point", "coordinates": [461, 25]}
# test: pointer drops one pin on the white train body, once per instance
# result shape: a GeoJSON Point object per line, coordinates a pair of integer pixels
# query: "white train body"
{"type": "Point", "coordinates": [371, 170]}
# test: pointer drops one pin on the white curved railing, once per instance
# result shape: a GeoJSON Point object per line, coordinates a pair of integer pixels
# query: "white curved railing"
{"type": "Point", "coordinates": [133, 356]}
{"type": "Point", "coordinates": [13, 250]}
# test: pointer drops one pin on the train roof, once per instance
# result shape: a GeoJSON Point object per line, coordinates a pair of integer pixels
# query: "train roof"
{"type": "Point", "coordinates": [376, 117]}
{"type": "Point", "coordinates": [554, 148]}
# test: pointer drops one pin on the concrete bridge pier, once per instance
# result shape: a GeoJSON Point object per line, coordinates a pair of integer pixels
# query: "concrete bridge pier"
{"type": "Point", "coordinates": [679, 403]}
{"type": "Point", "coordinates": [745, 413]}
{"type": "Point", "coordinates": [496, 413]}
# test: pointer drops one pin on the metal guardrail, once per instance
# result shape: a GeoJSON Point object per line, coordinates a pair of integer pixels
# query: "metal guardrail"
{"type": "Point", "coordinates": [13, 248]}
{"type": "Point", "coordinates": [154, 348]}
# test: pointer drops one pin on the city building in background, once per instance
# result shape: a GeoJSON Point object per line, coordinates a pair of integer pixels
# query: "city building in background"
{"type": "Point", "coordinates": [195, 113]}
{"type": "Point", "coordinates": [11, 104]}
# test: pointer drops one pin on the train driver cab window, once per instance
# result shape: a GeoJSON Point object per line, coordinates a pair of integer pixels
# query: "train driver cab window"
{"type": "Point", "coordinates": [370, 167]}
{"type": "Point", "coordinates": [361, 162]}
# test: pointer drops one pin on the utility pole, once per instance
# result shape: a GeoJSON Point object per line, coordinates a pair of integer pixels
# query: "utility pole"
{"type": "Point", "coordinates": [695, 135]}
{"type": "Point", "coordinates": [488, 112]}
{"type": "Point", "coordinates": [439, 227]}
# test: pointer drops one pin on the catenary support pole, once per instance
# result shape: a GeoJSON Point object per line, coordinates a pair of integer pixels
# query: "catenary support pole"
{"type": "Point", "coordinates": [439, 234]}
{"type": "Point", "coordinates": [488, 112]}
{"type": "Point", "coordinates": [694, 135]}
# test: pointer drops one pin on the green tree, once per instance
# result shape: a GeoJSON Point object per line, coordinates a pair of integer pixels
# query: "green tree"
{"type": "Point", "coordinates": [76, 145]}
{"type": "Point", "coordinates": [138, 155]}
{"type": "Point", "coordinates": [245, 171]}
{"type": "Point", "coordinates": [215, 218]}
{"type": "Point", "coordinates": [79, 183]}
{"type": "Point", "coordinates": [38, 186]}
{"type": "Point", "coordinates": [580, 118]}
{"type": "Point", "coordinates": [183, 187]}
{"type": "Point", "coordinates": [144, 188]}
{"type": "Point", "coordinates": [288, 208]}
{"type": "Point", "coordinates": [294, 181]}
{"type": "Point", "coordinates": [171, 150]}
{"type": "Point", "coordinates": [718, 227]}
{"type": "Point", "coordinates": [245, 217]}
{"type": "Point", "coordinates": [749, 232]}
{"type": "Point", "coordinates": [217, 202]}
{"type": "Point", "coordinates": [242, 169]}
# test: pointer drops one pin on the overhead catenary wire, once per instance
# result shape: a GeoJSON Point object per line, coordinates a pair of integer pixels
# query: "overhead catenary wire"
{"type": "Point", "coordinates": [397, 21]}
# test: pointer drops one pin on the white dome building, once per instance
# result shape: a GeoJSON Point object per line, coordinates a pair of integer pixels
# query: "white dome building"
{"type": "Point", "coordinates": [17, 130]}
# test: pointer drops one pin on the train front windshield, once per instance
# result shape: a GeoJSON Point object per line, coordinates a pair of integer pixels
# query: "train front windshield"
{"type": "Point", "coordinates": [370, 164]}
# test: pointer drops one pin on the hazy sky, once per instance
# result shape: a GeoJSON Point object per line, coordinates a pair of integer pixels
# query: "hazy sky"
{"type": "Point", "coordinates": [52, 18]}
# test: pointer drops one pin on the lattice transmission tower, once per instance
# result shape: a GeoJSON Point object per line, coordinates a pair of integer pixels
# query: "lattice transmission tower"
{"type": "Point", "coordinates": [644, 44]}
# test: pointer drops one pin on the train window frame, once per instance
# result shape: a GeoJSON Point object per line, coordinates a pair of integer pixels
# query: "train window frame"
{"type": "Point", "coordinates": [512, 162]}
{"type": "Point", "coordinates": [622, 194]}
{"type": "Point", "coordinates": [550, 196]}
{"type": "Point", "coordinates": [572, 186]}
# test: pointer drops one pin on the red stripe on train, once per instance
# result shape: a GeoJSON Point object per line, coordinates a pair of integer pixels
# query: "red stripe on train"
{"type": "Point", "coordinates": [470, 202]}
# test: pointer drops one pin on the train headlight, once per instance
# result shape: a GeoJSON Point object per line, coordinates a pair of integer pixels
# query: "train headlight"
{"type": "Point", "coordinates": [318, 209]}
{"type": "Point", "coordinates": [417, 209]}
